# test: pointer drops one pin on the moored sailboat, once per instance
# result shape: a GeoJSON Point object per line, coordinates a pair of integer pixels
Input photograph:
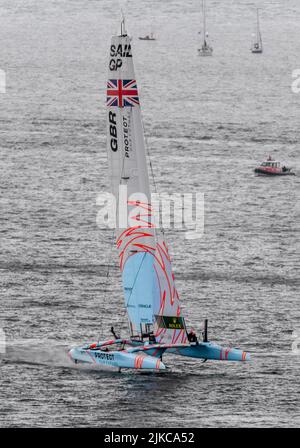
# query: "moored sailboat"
{"type": "Point", "coordinates": [156, 322]}
{"type": "Point", "coordinates": [205, 49]}
{"type": "Point", "coordinates": [257, 46]}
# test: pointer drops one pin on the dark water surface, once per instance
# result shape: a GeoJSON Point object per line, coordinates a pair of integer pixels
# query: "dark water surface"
{"type": "Point", "coordinates": [208, 122]}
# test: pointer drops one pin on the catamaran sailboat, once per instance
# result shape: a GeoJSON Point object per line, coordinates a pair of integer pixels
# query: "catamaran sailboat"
{"type": "Point", "coordinates": [257, 46]}
{"type": "Point", "coordinates": [205, 49]}
{"type": "Point", "coordinates": [156, 321]}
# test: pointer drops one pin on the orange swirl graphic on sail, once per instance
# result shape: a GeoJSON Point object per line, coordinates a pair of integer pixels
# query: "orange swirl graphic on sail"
{"type": "Point", "coordinates": [142, 238]}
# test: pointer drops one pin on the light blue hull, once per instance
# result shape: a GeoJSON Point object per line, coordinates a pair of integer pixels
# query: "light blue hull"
{"type": "Point", "coordinates": [147, 356]}
{"type": "Point", "coordinates": [118, 359]}
{"type": "Point", "coordinates": [207, 350]}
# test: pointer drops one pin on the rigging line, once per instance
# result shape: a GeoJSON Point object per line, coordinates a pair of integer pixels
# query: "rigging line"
{"type": "Point", "coordinates": [160, 228]}
{"type": "Point", "coordinates": [107, 278]}
{"type": "Point", "coordinates": [141, 263]}
{"type": "Point", "coordinates": [112, 242]}
{"type": "Point", "coordinates": [120, 180]}
{"type": "Point", "coordinates": [149, 158]}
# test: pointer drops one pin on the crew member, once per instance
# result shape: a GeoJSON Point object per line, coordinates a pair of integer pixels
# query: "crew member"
{"type": "Point", "coordinates": [192, 336]}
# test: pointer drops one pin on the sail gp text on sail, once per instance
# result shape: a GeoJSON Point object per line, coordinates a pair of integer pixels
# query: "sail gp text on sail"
{"type": "Point", "coordinates": [117, 53]}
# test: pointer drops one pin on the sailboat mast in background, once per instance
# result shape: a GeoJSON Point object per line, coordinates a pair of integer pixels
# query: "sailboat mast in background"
{"type": "Point", "coordinates": [257, 46]}
{"type": "Point", "coordinates": [150, 36]}
{"type": "Point", "coordinates": [205, 49]}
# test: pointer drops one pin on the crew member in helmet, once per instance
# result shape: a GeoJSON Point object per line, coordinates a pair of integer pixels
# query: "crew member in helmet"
{"type": "Point", "coordinates": [192, 336]}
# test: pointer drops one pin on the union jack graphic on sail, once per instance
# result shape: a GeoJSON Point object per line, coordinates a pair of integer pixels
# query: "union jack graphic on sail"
{"type": "Point", "coordinates": [122, 93]}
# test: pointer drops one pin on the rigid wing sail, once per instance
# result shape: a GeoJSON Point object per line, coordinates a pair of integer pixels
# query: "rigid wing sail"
{"type": "Point", "coordinates": [156, 322]}
{"type": "Point", "coordinates": [151, 297]}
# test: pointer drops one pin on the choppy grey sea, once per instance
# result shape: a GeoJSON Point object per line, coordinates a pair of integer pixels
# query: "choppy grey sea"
{"type": "Point", "coordinates": [208, 122]}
